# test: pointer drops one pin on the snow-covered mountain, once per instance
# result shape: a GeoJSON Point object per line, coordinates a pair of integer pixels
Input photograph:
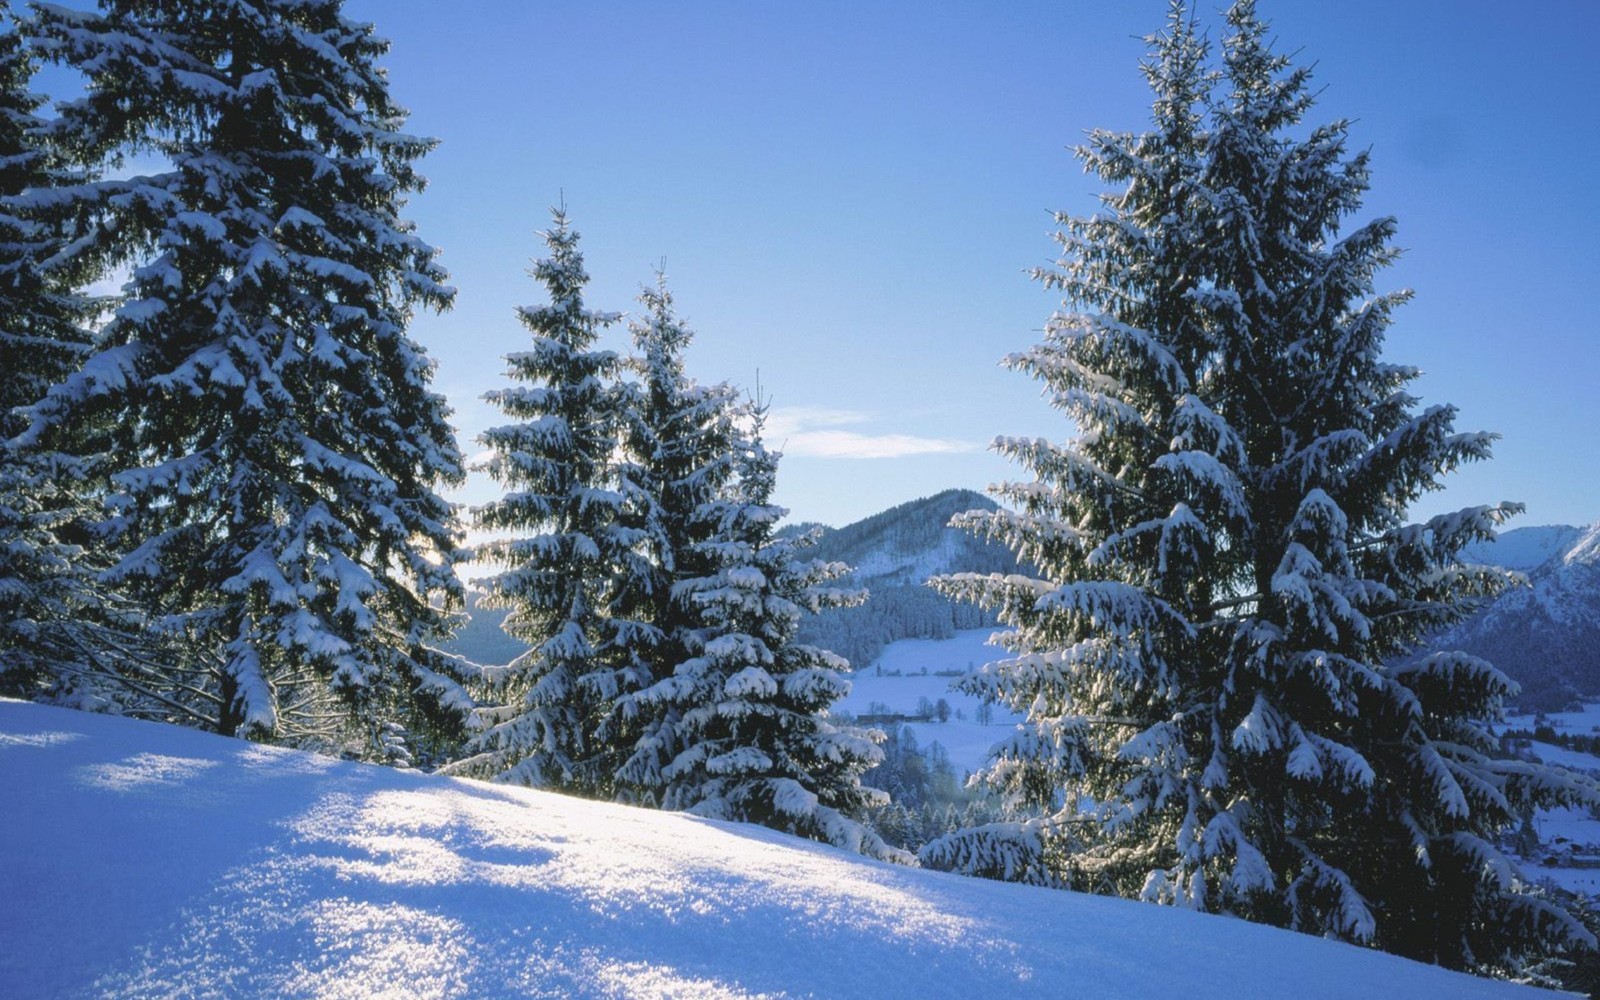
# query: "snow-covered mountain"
{"type": "Point", "coordinates": [912, 541]}
{"type": "Point", "coordinates": [891, 553]}
{"type": "Point", "coordinates": [1545, 636]}
{"type": "Point", "coordinates": [1525, 549]}
{"type": "Point", "coordinates": [144, 860]}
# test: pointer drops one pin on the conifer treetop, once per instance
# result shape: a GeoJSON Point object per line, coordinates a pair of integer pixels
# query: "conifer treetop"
{"type": "Point", "coordinates": [1209, 651]}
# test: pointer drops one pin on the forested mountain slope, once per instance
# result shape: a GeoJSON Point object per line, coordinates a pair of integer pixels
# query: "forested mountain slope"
{"type": "Point", "coordinates": [892, 554]}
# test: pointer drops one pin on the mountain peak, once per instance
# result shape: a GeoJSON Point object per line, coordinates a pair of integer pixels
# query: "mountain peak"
{"type": "Point", "coordinates": [1545, 635]}
{"type": "Point", "coordinates": [1586, 550]}
{"type": "Point", "coordinates": [912, 541]}
{"type": "Point", "coordinates": [1525, 549]}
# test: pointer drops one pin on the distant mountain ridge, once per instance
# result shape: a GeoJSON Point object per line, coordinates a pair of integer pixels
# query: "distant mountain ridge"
{"type": "Point", "coordinates": [1525, 549]}
{"type": "Point", "coordinates": [1546, 635]}
{"type": "Point", "coordinates": [892, 553]}
{"type": "Point", "coordinates": [911, 541]}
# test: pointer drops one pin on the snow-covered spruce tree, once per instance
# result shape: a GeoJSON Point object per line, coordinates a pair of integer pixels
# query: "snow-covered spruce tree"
{"type": "Point", "coordinates": [569, 550]}
{"type": "Point", "coordinates": [1226, 573]}
{"type": "Point", "coordinates": [41, 341]}
{"type": "Point", "coordinates": [63, 636]}
{"type": "Point", "coordinates": [274, 439]}
{"type": "Point", "coordinates": [678, 441]}
{"type": "Point", "coordinates": [42, 338]}
{"type": "Point", "coordinates": [750, 703]}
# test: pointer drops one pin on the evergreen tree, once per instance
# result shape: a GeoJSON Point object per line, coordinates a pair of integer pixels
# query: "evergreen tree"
{"type": "Point", "coordinates": [40, 342]}
{"type": "Point", "coordinates": [62, 636]}
{"type": "Point", "coordinates": [42, 335]}
{"type": "Point", "coordinates": [679, 441]}
{"type": "Point", "coordinates": [750, 702]}
{"type": "Point", "coordinates": [1226, 573]}
{"type": "Point", "coordinates": [274, 443]}
{"type": "Point", "coordinates": [571, 553]}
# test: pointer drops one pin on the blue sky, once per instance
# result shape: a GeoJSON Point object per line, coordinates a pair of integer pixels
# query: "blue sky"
{"type": "Point", "coordinates": [848, 195]}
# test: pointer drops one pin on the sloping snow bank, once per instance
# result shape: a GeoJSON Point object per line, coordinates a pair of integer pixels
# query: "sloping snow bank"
{"type": "Point", "coordinates": [149, 861]}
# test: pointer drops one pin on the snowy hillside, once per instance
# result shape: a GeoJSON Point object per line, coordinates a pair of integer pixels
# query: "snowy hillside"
{"type": "Point", "coordinates": [1546, 635]}
{"type": "Point", "coordinates": [144, 860]}
{"type": "Point", "coordinates": [912, 541]}
{"type": "Point", "coordinates": [893, 554]}
{"type": "Point", "coordinates": [1569, 838]}
{"type": "Point", "coordinates": [912, 671]}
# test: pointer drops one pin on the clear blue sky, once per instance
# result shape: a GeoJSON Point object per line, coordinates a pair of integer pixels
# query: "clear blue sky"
{"type": "Point", "coordinates": [848, 195]}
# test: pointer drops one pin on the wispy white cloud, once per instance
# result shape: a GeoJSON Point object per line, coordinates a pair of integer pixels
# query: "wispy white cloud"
{"type": "Point", "coordinates": [817, 432]}
{"type": "Point", "coordinates": [792, 419]}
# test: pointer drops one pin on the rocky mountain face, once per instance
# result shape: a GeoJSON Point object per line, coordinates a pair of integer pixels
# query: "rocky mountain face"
{"type": "Point", "coordinates": [1545, 635]}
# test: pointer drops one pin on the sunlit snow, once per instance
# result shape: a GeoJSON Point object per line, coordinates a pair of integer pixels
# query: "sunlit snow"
{"type": "Point", "coordinates": [145, 860]}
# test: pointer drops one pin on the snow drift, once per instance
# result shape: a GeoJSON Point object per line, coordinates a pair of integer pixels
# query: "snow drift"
{"type": "Point", "coordinates": [144, 860]}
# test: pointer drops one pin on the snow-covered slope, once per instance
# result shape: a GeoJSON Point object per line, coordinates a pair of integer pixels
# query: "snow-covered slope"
{"type": "Point", "coordinates": [911, 670]}
{"type": "Point", "coordinates": [143, 860]}
{"type": "Point", "coordinates": [893, 553]}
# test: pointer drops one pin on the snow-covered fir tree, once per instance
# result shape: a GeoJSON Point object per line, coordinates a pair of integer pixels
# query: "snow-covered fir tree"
{"type": "Point", "coordinates": [42, 318]}
{"type": "Point", "coordinates": [41, 341]}
{"type": "Point", "coordinates": [753, 739]}
{"type": "Point", "coordinates": [1226, 574]}
{"type": "Point", "coordinates": [274, 442]}
{"type": "Point", "coordinates": [679, 445]}
{"type": "Point", "coordinates": [569, 552]}
{"type": "Point", "coordinates": [63, 636]}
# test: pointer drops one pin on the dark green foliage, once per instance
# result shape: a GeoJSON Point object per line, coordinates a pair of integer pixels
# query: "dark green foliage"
{"type": "Point", "coordinates": [1224, 571]}
{"type": "Point", "coordinates": [927, 799]}
{"type": "Point", "coordinates": [63, 636]}
{"type": "Point", "coordinates": [272, 441]}
{"type": "Point", "coordinates": [570, 552]}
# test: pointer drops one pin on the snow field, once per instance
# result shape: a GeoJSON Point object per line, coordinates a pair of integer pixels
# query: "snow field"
{"type": "Point", "coordinates": [146, 860]}
{"type": "Point", "coordinates": [963, 739]}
